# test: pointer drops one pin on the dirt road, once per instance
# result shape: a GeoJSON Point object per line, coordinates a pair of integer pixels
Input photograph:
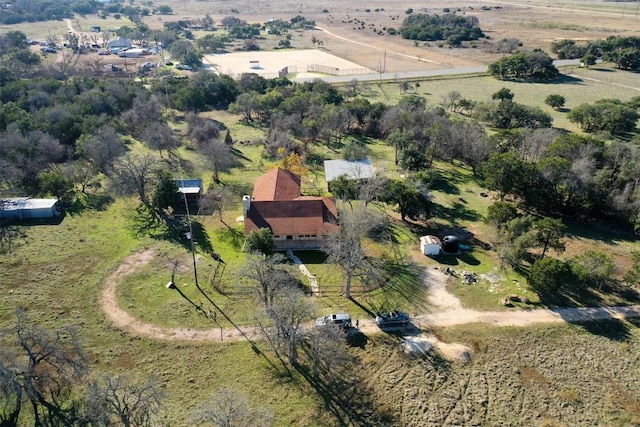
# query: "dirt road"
{"type": "Point", "coordinates": [447, 311]}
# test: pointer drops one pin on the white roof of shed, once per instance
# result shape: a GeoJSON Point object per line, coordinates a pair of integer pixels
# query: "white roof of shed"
{"type": "Point", "coordinates": [26, 203]}
{"type": "Point", "coordinates": [189, 190]}
{"type": "Point", "coordinates": [354, 169]}
{"type": "Point", "coordinates": [428, 240]}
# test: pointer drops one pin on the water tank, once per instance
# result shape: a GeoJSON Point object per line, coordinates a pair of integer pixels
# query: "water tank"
{"type": "Point", "coordinates": [246, 203]}
{"type": "Point", "coordinates": [451, 244]}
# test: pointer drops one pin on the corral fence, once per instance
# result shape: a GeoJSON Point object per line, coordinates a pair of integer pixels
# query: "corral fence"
{"type": "Point", "coordinates": [335, 71]}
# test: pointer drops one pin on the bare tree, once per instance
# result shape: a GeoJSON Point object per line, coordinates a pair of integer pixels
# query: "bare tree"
{"type": "Point", "coordinates": [116, 401]}
{"type": "Point", "coordinates": [285, 307]}
{"type": "Point", "coordinates": [451, 100]}
{"type": "Point", "coordinates": [201, 130]}
{"type": "Point", "coordinates": [324, 348]}
{"type": "Point", "coordinates": [143, 112]}
{"type": "Point", "coordinates": [218, 156]}
{"type": "Point", "coordinates": [216, 200]}
{"type": "Point", "coordinates": [269, 277]}
{"type": "Point", "coordinates": [42, 367]}
{"type": "Point", "coordinates": [96, 66]}
{"type": "Point", "coordinates": [106, 37]}
{"type": "Point", "coordinates": [347, 249]}
{"type": "Point", "coordinates": [102, 148]}
{"type": "Point", "coordinates": [82, 173]}
{"type": "Point", "coordinates": [534, 143]}
{"type": "Point", "coordinates": [289, 311]}
{"type": "Point", "coordinates": [159, 136]}
{"type": "Point", "coordinates": [229, 408]}
{"type": "Point", "coordinates": [134, 174]}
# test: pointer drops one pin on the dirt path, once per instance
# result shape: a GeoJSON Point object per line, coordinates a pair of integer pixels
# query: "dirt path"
{"type": "Point", "coordinates": [448, 311]}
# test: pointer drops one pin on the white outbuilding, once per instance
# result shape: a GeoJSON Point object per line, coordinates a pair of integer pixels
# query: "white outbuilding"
{"type": "Point", "coordinates": [27, 208]}
{"type": "Point", "coordinates": [430, 245]}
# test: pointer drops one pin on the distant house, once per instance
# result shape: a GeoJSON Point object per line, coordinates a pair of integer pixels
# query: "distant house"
{"type": "Point", "coordinates": [430, 245]}
{"type": "Point", "coordinates": [119, 43]}
{"type": "Point", "coordinates": [26, 208]}
{"type": "Point", "coordinates": [191, 189]}
{"type": "Point", "coordinates": [352, 169]}
{"type": "Point", "coordinates": [295, 221]}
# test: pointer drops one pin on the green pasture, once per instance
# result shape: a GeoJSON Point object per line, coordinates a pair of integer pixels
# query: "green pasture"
{"type": "Point", "coordinates": [39, 31]}
{"type": "Point", "coordinates": [581, 86]}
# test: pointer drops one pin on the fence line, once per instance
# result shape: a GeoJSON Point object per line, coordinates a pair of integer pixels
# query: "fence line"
{"type": "Point", "coordinates": [336, 71]}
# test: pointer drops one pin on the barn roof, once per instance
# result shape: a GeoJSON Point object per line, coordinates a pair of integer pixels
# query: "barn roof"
{"type": "Point", "coordinates": [353, 169]}
{"type": "Point", "coordinates": [277, 204]}
{"type": "Point", "coordinates": [189, 186]}
{"type": "Point", "coordinates": [277, 184]}
{"type": "Point", "coordinates": [301, 216]}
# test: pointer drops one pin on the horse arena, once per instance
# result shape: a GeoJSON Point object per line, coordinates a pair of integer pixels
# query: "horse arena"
{"type": "Point", "coordinates": [281, 63]}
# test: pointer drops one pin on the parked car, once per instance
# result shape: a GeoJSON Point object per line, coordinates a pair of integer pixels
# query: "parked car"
{"type": "Point", "coordinates": [342, 320]}
{"type": "Point", "coordinates": [148, 65]}
{"type": "Point", "coordinates": [167, 62]}
{"type": "Point", "coordinates": [393, 319]}
{"type": "Point", "coordinates": [104, 52]}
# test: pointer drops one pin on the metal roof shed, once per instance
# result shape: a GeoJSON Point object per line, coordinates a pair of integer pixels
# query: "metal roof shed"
{"type": "Point", "coordinates": [189, 186]}
{"type": "Point", "coordinates": [26, 208]}
{"type": "Point", "coordinates": [353, 169]}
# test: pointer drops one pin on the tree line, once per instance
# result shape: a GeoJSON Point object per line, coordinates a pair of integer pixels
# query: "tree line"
{"type": "Point", "coordinates": [623, 51]}
{"type": "Point", "coordinates": [452, 28]}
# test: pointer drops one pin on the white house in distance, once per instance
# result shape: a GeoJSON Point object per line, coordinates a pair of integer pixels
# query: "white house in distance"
{"type": "Point", "coordinates": [430, 245]}
{"type": "Point", "coordinates": [26, 208]}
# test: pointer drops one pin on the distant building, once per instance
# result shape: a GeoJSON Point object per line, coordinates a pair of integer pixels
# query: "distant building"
{"type": "Point", "coordinates": [120, 43]}
{"type": "Point", "coordinates": [26, 208]}
{"type": "Point", "coordinates": [352, 169]}
{"type": "Point", "coordinates": [295, 221]}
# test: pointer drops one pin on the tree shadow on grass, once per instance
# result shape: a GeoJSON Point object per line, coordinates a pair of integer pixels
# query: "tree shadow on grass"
{"type": "Point", "coordinates": [613, 329]}
{"type": "Point", "coordinates": [346, 396]}
{"type": "Point", "coordinates": [603, 231]}
{"type": "Point", "coordinates": [404, 282]}
{"type": "Point", "coordinates": [316, 159]}
{"type": "Point", "coordinates": [444, 184]}
{"type": "Point", "coordinates": [613, 293]}
{"type": "Point", "coordinates": [231, 237]}
{"type": "Point", "coordinates": [456, 213]}
{"type": "Point", "coordinates": [85, 202]}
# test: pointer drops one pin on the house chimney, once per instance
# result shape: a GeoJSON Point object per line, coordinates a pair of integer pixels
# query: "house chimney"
{"type": "Point", "coordinates": [246, 204]}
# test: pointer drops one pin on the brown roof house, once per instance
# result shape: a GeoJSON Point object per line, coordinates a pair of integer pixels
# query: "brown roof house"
{"type": "Point", "coordinates": [296, 221]}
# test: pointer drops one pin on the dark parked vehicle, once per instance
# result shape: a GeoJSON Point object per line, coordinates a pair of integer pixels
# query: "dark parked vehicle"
{"type": "Point", "coordinates": [393, 319]}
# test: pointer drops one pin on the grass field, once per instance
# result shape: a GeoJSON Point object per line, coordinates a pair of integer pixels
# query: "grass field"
{"type": "Point", "coordinates": [538, 376]}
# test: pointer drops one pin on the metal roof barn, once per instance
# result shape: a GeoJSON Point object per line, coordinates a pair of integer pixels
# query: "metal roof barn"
{"type": "Point", "coordinates": [353, 169]}
{"type": "Point", "coordinates": [27, 208]}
